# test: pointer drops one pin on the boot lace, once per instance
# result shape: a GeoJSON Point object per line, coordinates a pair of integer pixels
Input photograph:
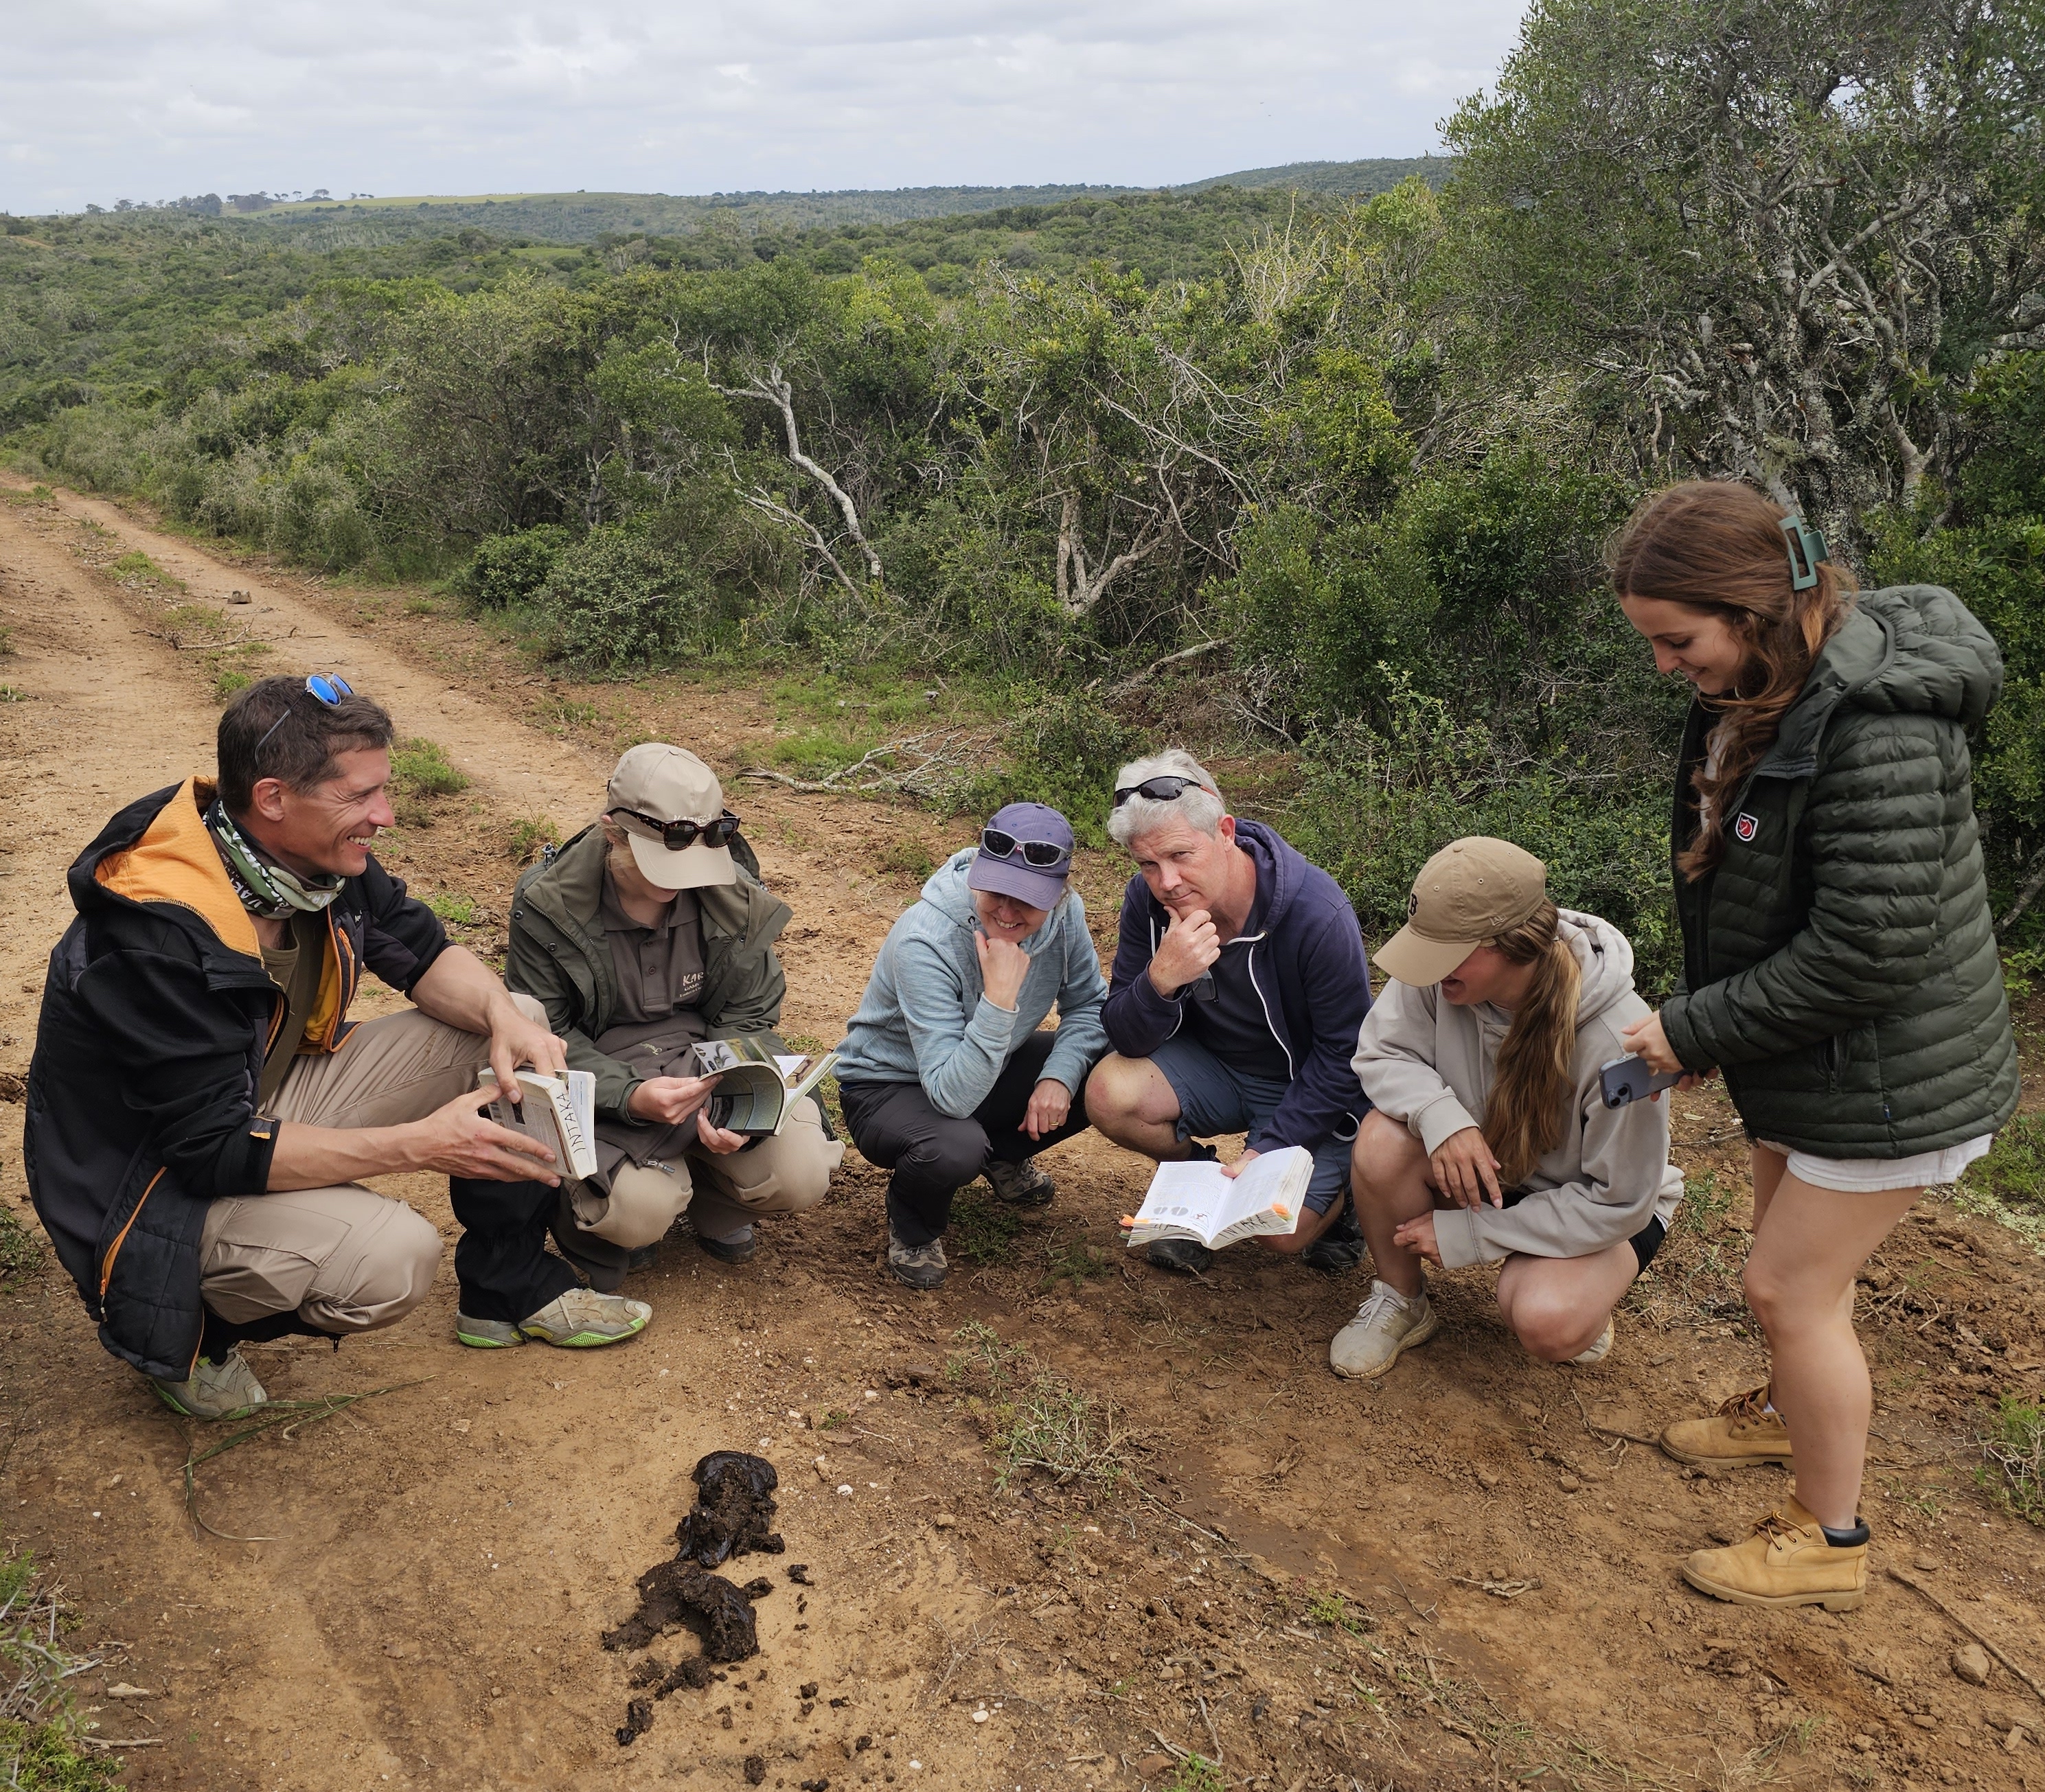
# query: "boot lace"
{"type": "Point", "coordinates": [1751, 1407]}
{"type": "Point", "coordinates": [1382, 1301]}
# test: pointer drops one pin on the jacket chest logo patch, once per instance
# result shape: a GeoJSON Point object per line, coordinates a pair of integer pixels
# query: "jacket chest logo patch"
{"type": "Point", "coordinates": [1746, 827]}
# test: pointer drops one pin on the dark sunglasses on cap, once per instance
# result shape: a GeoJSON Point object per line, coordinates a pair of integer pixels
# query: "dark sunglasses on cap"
{"type": "Point", "coordinates": [1040, 854]}
{"type": "Point", "coordinates": [328, 688]}
{"type": "Point", "coordinates": [1158, 790]}
{"type": "Point", "coordinates": [679, 836]}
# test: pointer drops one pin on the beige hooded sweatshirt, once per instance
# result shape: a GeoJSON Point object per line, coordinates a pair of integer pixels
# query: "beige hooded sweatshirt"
{"type": "Point", "coordinates": [1430, 1064]}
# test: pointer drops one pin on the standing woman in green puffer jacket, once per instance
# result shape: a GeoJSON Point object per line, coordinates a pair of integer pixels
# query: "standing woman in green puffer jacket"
{"type": "Point", "coordinates": [1840, 967]}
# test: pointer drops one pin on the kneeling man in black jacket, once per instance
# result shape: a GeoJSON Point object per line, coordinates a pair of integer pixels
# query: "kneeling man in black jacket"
{"type": "Point", "coordinates": [201, 1108]}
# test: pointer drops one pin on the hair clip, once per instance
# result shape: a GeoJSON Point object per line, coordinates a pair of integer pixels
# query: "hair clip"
{"type": "Point", "coordinates": [1807, 551]}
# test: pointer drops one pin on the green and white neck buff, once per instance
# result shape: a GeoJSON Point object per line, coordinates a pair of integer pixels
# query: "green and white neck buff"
{"type": "Point", "coordinates": [265, 889]}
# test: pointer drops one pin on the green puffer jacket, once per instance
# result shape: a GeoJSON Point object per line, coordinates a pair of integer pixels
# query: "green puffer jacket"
{"type": "Point", "coordinates": [559, 956]}
{"type": "Point", "coordinates": [1840, 966]}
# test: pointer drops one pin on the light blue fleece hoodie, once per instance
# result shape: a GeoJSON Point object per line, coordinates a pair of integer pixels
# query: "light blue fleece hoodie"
{"type": "Point", "coordinates": [925, 1017]}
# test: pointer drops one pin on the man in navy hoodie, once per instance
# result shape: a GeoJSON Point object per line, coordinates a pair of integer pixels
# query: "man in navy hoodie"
{"type": "Point", "coordinates": [1239, 985]}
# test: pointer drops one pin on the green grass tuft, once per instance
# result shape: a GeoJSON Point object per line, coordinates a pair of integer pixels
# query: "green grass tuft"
{"type": "Point", "coordinates": [421, 768]}
{"type": "Point", "coordinates": [2014, 1445]}
{"type": "Point", "coordinates": [983, 1229]}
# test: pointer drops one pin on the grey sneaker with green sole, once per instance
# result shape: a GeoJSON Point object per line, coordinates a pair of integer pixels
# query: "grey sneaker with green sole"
{"type": "Point", "coordinates": [581, 1319]}
{"type": "Point", "coordinates": [226, 1389]}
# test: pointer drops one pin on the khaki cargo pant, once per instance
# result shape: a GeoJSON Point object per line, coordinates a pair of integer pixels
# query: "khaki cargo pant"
{"type": "Point", "coordinates": [343, 1258]}
{"type": "Point", "coordinates": [720, 1194]}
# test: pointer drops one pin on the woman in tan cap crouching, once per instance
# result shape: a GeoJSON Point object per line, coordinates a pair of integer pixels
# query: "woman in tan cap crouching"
{"type": "Point", "coordinates": [1489, 1137]}
{"type": "Point", "coordinates": [649, 932]}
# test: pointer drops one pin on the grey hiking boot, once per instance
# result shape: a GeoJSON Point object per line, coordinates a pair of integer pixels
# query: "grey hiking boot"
{"type": "Point", "coordinates": [734, 1248]}
{"type": "Point", "coordinates": [920, 1266]}
{"type": "Point", "coordinates": [1385, 1324]}
{"type": "Point", "coordinates": [226, 1389]}
{"type": "Point", "coordinates": [1340, 1248]}
{"type": "Point", "coordinates": [1187, 1255]}
{"type": "Point", "coordinates": [581, 1319]}
{"type": "Point", "coordinates": [1020, 1185]}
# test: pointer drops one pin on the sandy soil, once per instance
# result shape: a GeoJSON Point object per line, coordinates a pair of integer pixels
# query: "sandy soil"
{"type": "Point", "coordinates": [1466, 1576]}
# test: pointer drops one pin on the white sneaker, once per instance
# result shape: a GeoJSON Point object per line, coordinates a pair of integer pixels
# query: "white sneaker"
{"type": "Point", "coordinates": [1385, 1324]}
{"type": "Point", "coordinates": [1600, 1349]}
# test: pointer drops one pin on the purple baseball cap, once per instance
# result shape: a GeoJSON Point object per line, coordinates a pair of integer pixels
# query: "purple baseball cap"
{"type": "Point", "coordinates": [1027, 825]}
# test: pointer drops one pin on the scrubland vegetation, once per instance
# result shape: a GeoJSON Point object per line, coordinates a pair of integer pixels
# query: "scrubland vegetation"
{"type": "Point", "coordinates": [1332, 474]}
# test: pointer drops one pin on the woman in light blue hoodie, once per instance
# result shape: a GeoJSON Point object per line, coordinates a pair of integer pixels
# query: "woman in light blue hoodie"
{"type": "Point", "coordinates": [946, 1071]}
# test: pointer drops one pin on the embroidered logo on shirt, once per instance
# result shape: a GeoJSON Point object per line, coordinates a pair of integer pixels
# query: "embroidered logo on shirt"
{"type": "Point", "coordinates": [1746, 827]}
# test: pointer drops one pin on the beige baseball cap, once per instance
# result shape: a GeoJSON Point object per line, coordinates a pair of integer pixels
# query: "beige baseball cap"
{"type": "Point", "coordinates": [653, 785]}
{"type": "Point", "coordinates": [1472, 890]}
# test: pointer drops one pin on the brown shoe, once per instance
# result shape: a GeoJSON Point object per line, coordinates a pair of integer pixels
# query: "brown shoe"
{"type": "Point", "coordinates": [1788, 1561]}
{"type": "Point", "coordinates": [1742, 1434]}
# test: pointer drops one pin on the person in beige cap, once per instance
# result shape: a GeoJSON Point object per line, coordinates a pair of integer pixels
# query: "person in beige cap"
{"type": "Point", "coordinates": [1489, 1138]}
{"type": "Point", "coordinates": [648, 932]}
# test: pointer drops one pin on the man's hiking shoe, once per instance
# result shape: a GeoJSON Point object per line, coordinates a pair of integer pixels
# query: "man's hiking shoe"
{"type": "Point", "coordinates": [1598, 1348]}
{"type": "Point", "coordinates": [226, 1389]}
{"type": "Point", "coordinates": [581, 1319]}
{"type": "Point", "coordinates": [644, 1258]}
{"type": "Point", "coordinates": [1385, 1324]}
{"type": "Point", "coordinates": [1788, 1561]}
{"type": "Point", "coordinates": [1743, 1433]}
{"type": "Point", "coordinates": [1340, 1248]}
{"type": "Point", "coordinates": [1020, 1185]}
{"type": "Point", "coordinates": [734, 1248]}
{"type": "Point", "coordinates": [1187, 1255]}
{"type": "Point", "coordinates": [920, 1266]}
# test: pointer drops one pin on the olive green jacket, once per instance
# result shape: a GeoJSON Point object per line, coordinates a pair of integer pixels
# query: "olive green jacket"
{"type": "Point", "coordinates": [1840, 963]}
{"type": "Point", "coordinates": [559, 956]}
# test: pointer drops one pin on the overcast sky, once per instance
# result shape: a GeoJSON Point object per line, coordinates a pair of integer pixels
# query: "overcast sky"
{"type": "Point", "coordinates": [147, 99]}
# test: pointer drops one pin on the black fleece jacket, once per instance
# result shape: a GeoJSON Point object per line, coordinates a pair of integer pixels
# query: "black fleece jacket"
{"type": "Point", "coordinates": [157, 1013]}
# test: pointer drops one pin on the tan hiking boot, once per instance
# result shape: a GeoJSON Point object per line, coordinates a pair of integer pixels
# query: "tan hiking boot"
{"type": "Point", "coordinates": [1741, 1434]}
{"type": "Point", "coordinates": [1788, 1561]}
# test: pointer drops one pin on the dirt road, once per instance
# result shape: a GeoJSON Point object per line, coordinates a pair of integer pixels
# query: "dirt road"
{"type": "Point", "coordinates": [1459, 1578]}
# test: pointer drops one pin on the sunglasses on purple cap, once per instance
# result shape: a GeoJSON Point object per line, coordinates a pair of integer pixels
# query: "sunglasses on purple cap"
{"type": "Point", "coordinates": [1038, 855]}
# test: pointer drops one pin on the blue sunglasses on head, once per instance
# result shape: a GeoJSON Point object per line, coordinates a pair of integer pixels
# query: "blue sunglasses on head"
{"type": "Point", "coordinates": [328, 688]}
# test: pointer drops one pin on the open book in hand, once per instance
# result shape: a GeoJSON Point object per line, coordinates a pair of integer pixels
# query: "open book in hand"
{"type": "Point", "coordinates": [1195, 1200]}
{"type": "Point", "coordinates": [759, 1082]}
{"type": "Point", "coordinates": [559, 1111]}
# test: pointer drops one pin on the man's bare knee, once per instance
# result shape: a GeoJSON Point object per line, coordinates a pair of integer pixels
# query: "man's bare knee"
{"type": "Point", "coordinates": [1122, 1088]}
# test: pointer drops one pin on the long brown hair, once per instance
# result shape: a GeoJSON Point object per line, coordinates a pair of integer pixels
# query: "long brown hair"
{"type": "Point", "coordinates": [1531, 1096]}
{"type": "Point", "coordinates": [1712, 545]}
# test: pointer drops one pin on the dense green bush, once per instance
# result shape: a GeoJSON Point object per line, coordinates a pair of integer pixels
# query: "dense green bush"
{"type": "Point", "coordinates": [615, 603]}
{"type": "Point", "coordinates": [507, 569]}
{"type": "Point", "coordinates": [1063, 750]}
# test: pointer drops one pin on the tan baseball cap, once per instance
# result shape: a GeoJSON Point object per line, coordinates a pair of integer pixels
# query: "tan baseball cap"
{"type": "Point", "coordinates": [1470, 891]}
{"type": "Point", "coordinates": [654, 785]}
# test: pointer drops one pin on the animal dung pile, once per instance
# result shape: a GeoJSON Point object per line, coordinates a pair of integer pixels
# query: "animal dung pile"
{"type": "Point", "coordinates": [733, 1515]}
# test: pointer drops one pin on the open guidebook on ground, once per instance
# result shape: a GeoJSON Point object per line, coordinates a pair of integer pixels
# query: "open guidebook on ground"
{"type": "Point", "coordinates": [1195, 1200]}
{"type": "Point", "coordinates": [759, 1081]}
{"type": "Point", "coordinates": [559, 1111]}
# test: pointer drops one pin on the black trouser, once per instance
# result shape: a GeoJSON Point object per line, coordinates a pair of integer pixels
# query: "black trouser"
{"type": "Point", "coordinates": [933, 1155]}
{"type": "Point", "coordinates": [501, 1265]}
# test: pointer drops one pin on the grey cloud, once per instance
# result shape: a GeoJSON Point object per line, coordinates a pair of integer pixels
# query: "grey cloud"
{"type": "Point", "coordinates": [145, 99]}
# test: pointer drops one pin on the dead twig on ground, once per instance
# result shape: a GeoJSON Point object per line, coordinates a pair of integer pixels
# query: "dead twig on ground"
{"type": "Point", "coordinates": [1591, 1424]}
{"type": "Point", "coordinates": [1952, 1617]}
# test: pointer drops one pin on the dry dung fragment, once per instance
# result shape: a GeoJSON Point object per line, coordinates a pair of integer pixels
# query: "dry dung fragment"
{"type": "Point", "coordinates": [638, 1720]}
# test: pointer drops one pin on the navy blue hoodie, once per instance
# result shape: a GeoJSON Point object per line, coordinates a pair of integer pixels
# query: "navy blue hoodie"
{"type": "Point", "coordinates": [1311, 959]}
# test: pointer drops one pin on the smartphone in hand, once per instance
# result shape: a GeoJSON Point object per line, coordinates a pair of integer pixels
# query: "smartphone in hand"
{"type": "Point", "coordinates": [1628, 1079]}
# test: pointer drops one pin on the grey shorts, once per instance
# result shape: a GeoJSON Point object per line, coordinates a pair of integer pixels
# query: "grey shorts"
{"type": "Point", "coordinates": [1215, 1099]}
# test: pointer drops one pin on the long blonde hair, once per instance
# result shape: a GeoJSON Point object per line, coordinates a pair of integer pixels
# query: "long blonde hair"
{"type": "Point", "coordinates": [1530, 1099]}
{"type": "Point", "coordinates": [1714, 545]}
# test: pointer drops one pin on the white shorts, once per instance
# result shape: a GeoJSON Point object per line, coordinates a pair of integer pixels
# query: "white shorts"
{"type": "Point", "coordinates": [1864, 1175]}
